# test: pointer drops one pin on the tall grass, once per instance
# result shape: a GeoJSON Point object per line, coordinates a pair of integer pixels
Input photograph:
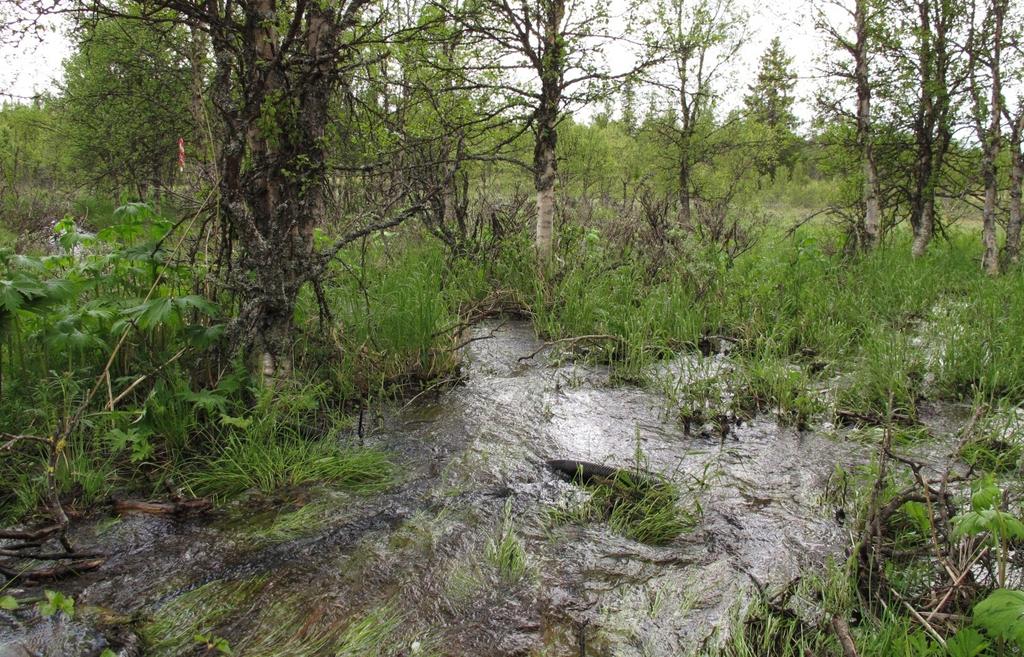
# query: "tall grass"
{"type": "Point", "coordinates": [885, 321]}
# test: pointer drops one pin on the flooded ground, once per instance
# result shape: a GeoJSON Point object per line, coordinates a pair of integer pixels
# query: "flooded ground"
{"type": "Point", "coordinates": [410, 572]}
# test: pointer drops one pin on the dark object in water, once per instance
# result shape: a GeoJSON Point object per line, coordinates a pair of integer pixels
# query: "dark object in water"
{"type": "Point", "coordinates": [582, 472]}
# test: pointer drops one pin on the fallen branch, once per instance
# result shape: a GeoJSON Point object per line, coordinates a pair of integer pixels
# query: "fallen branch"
{"type": "Point", "coordinates": [29, 534]}
{"type": "Point", "coordinates": [113, 401]}
{"type": "Point", "coordinates": [479, 337]}
{"type": "Point", "coordinates": [198, 505]}
{"type": "Point", "coordinates": [48, 556]}
{"type": "Point", "coordinates": [52, 573]}
{"type": "Point", "coordinates": [13, 440]}
{"type": "Point", "coordinates": [842, 630]}
{"type": "Point", "coordinates": [574, 340]}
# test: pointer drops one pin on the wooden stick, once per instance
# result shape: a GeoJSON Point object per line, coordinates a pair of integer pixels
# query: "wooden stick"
{"type": "Point", "coordinates": [52, 573]}
{"type": "Point", "coordinates": [162, 508]}
{"type": "Point", "coordinates": [842, 631]}
{"type": "Point", "coordinates": [29, 534]}
{"type": "Point", "coordinates": [573, 340]}
{"type": "Point", "coordinates": [48, 556]}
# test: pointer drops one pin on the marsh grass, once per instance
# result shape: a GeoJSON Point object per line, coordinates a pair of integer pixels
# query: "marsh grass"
{"type": "Point", "coordinates": [506, 551]}
{"type": "Point", "coordinates": [638, 506]}
{"type": "Point", "coordinates": [376, 634]}
{"type": "Point", "coordinates": [885, 381]}
{"type": "Point", "coordinates": [290, 525]}
{"type": "Point", "coordinates": [997, 444]}
{"type": "Point", "coordinates": [893, 329]}
{"type": "Point", "coordinates": [285, 439]}
{"type": "Point", "coordinates": [172, 629]}
{"type": "Point", "coordinates": [770, 384]}
{"type": "Point", "coordinates": [295, 626]}
{"type": "Point", "coordinates": [268, 462]}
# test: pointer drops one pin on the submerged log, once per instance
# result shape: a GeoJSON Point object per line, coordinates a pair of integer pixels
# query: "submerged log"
{"type": "Point", "coordinates": [30, 534]}
{"type": "Point", "coordinates": [51, 573]}
{"type": "Point", "coordinates": [593, 473]}
{"type": "Point", "coordinates": [177, 508]}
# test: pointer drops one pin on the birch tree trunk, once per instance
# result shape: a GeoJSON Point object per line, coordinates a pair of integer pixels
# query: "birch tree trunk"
{"type": "Point", "coordinates": [551, 69]}
{"type": "Point", "coordinates": [991, 136]}
{"type": "Point", "coordinates": [685, 217]}
{"type": "Point", "coordinates": [932, 124]}
{"type": "Point", "coordinates": [873, 210]}
{"type": "Point", "coordinates": [990, 262]}
{"type": "Point", "coordinates": [1011, 249]}
{"type": "Point", "coordinates": [544, 164]}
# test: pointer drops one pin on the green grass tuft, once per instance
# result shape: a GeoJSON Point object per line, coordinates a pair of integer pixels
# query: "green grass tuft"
{"type": "Point", "coordinates": [266, 463]}
{"type": "Point", "coordinates": [506, 552]}
{"type": "Point", "coordinates": [645, 510]}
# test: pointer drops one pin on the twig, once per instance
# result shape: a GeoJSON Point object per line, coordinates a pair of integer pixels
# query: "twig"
{"type": "Point", "coordinates": [433, 386]}
{"type": "Point", "coordinates": [13, 439]}
{"type": "Point", "coordinates": [29, 534]}
{"type": "Point", "coordinates": [115, 400]}
{"type": "Point", "coordinates": [480, 337]}
{"type": "Point", "coordinates": [919, 618]}
{"type": "Point", "coordinates": [573, 340]}
{"type": "Point", "coordinates": [956, 583]}
{"type": "Point", "coordinates": [48, 556]}
{"type": "Point", "coordinates": [842, 630]}
{"type": "Point", "coordinates": [53, 572]}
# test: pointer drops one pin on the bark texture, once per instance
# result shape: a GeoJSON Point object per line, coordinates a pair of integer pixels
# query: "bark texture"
{"type": "Point", "coordinates": [550, 66]}
{"type": "Point", "coordinates": [932, 124]}
{"type": "Point", "coordinates": [1011, 249]}
{"type": "Point", "coordinates": [276, 71]}
{"type": "Point", "coordinates": [872, 207]}
{"type": "Point", "coordinates": [993, 142]}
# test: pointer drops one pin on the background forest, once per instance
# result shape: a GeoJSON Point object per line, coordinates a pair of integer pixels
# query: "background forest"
{"type": "Point", "coordinates": [242, 232]}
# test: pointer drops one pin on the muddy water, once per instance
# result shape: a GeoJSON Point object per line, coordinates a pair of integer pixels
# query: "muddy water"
{"type": "Point", "coordinates": [318, 572]}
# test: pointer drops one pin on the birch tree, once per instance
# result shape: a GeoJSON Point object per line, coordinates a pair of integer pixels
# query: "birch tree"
{"type": "Point", "coordinates": [697, 39]}
{"type": "Point", "coordinates": [548, 57]}
{"type": "Point", "coordinates": [984, 50]}
{"type": "Point", "coordinates": [927, 81]}
{"type": "Point", "coordinates": [1011, 248]}
{"type": "Point", "coordinates": [277, 67]}
{"type": "Point", "coordinates": [856, 46]}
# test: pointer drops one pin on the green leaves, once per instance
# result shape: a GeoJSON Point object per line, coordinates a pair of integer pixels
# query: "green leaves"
{"type": "Point", "coordinates": [212, 643]}
{"type": "Point", "coordinates": [1002, 615]}
{"type": "Point", "coordinates": [8, 603]}
{"type": "Point", "coordinates": [968, 642]}
{"type": "Point", "coordinates": [242, 423]}
{"type": "Point", "coordinates": [168, 311]}
{"type": "Point", "coordinates": [56, 602]}
{"type": "Point", "coordinates": [986, 494]}
{"type": "Point", "coordinates": [985, 517]}
{"type": "Point", "coordinates": [1000, 524]}
{"type": "Point", "coordinates": [135, 438]}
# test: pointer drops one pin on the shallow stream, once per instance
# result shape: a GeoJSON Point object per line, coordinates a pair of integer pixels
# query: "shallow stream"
{"type": "Point", "coordinates": [407, 572]}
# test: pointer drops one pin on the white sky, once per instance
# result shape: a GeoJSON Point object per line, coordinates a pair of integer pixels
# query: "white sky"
{"type": "Point", "coordinates": [34, 66]}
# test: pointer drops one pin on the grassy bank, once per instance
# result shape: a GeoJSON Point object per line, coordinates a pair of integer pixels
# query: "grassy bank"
{"type": "Point", "coordinates": [812, 336]}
